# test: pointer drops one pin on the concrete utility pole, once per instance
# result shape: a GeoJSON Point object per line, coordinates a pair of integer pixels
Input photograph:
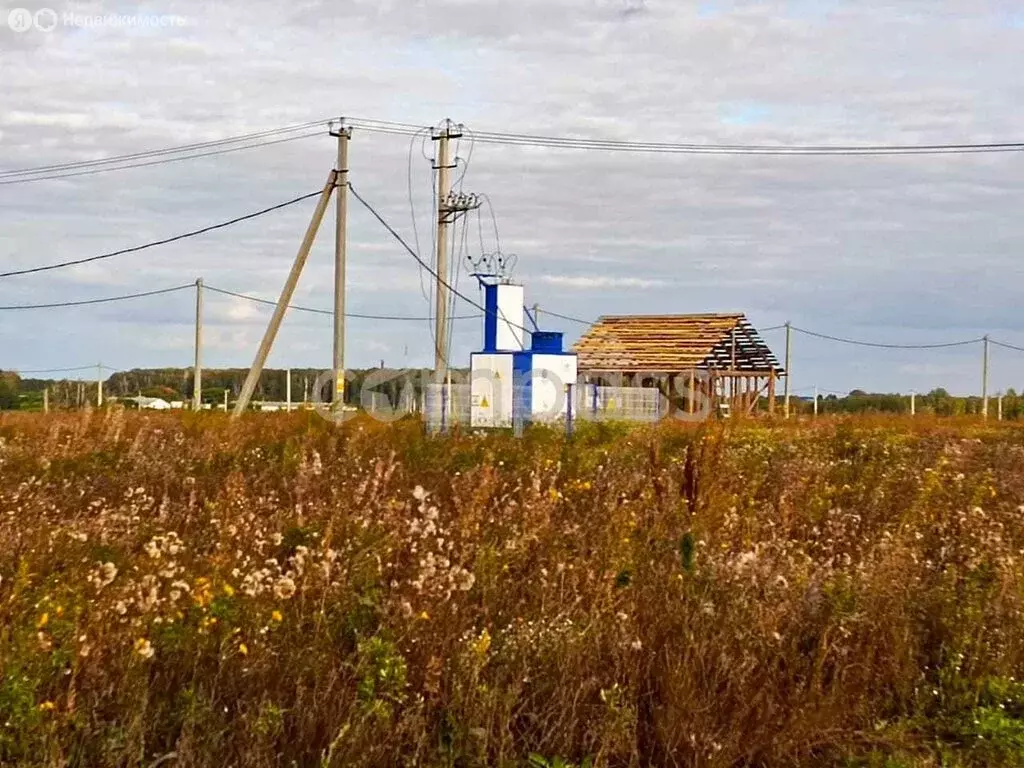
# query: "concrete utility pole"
{"type": "Point", "coordinates": [225, 401]}
{"type": "Point", "coordinates": [343, 134]}
{"type": "Point", "coordinates": [984, 381]}
{"type": "Point", "coordinates": [815, 399]}
{"type": "Point", "coordinates": [99, 385]}
{"type": "Point", "coordinates": [197, 373]}
{"type": "Point", "coordinates": [999, 406]}
{"type": "Point", "coordinates": [46, 399]}
{"type": "Point", "coordinates": [443, 167]}
{"type": "Point", "coordinates": [913, 403]}
{"type": "Point", "coordinates": [789, 348]}
{"type": "Point", "coordinates": [286, 296]}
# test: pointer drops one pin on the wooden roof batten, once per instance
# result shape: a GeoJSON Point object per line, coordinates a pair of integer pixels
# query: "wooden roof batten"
{"type": "Point", "coordinates": [726, 343]}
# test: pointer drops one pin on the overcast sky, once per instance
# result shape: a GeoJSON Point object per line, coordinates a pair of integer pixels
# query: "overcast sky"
{"type": "Point", "coordinates": [893, 249]}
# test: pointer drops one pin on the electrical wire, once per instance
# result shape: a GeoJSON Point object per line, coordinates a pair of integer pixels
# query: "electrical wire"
{"type": "Point", "coordinates": [566, 142]}
{"type": "Point", "coordinates": [165, 241]}
{"type": "Point", "coordinates": [161, 161]}
{"type": "Point", "coordinates": [416, 256]}
{"type": "Point", "coordinates": [1006, 346]}
{"type": "Point", "coordinates": [253, 140]}
{"type": "Point", "coordinates": [63, 370]}
{"type": "Point", "coordinates": [299, 308]}
{"type": "Point", "coordinates": [887, 346]}
{"type": "Point", "coordinates": [98, 301]}
{"type": "Point", "coordinates": [568, 317]}
{"type": "Point", "coordinates": [116, 159]}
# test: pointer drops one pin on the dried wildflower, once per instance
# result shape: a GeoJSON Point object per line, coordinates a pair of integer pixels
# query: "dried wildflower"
{"type": "Point", "coordinates": [144, 648]}
{"type": "Point", "coordinates": [284, 588]}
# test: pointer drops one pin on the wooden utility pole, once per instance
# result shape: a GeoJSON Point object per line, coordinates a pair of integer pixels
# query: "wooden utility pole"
{"type": "Point", "coordinates": [197, 373]}
{"type": "Point", "coordinates": [984, 381]}
{"type": "Point", "coordinates": [443, 167]}
{"type": "Point", "coordinates": [288, 390]}
{"type": "Point", "coordinates": [286, 296]}
{"type": "Point", "coordinates": [789, 348]}
{"type": "Point", "coordinates": [343, 134]}
{"type": "Point", "coordinates": [99, 385]}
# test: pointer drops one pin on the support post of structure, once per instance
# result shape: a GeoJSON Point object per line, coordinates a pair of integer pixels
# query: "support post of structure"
{"type": "Point", "coordinates": [442, 137]}
{"type": "Point", "coordinates": [197, 375]}
{"type": "Point", "coordinates": [789, 368]}
{"type": "Point", "coordinates": [771, 392]}
{"type": "Point", "coordinates": [691, 397]}
{"type": "Point", "coordinates": [343, 134]}
{"type": "Point", "coordinates": [984, 381]}
{"type": "Point", "coordinates": [286, 296]}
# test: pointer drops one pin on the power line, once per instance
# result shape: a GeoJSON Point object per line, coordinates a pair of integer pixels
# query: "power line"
{"type": "Point", "coordinates": [325, 311]}
{"type": "Point", "coordinates": [99, 301]}
{"type": "Point", "coordinates": [613, 145]}
{"type": "Point", "coordinates": [1005, 345]}
{"type": "Point", "coordinates": [256, 139]}
{"type": "Point", "coordinates": [886, 346]}
{"type": "Point", "coordinates": [568, 317]}
{"type": "Point", "coordinates": [433, 273]}
{"type": "Point", "coordinates": [92, 367]}
{"type": "Point", "coordinates": [162, 161]}
{"type": "Point", "coordinates": [116, 159]}
{"type": "Point", "coordinates": [165, 241]}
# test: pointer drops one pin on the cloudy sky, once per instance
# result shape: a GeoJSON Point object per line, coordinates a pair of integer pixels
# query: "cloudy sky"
{"type": "Point", "coordinates": [921, 249]}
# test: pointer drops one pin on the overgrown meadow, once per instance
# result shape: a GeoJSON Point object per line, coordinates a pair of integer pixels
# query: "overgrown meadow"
{"type": "Point", "coordinates": [181, 590]}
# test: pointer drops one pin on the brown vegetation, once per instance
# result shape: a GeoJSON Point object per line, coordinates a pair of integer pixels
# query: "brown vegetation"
{"type": "Point", "coordinates": [279, 591]}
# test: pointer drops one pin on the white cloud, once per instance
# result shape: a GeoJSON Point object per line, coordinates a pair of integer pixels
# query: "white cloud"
{"type": "Point", "coordinates": [582, 282]}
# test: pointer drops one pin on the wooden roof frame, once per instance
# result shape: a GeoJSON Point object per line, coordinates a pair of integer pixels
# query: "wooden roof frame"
{"type": "Point", "coordinates": [726, 343]}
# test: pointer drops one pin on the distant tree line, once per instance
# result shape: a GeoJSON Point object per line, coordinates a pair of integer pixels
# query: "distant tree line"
{"type": "Point", "coordinates": [176, 384]}
{"type": "Point", "coordinates": [938, 402]}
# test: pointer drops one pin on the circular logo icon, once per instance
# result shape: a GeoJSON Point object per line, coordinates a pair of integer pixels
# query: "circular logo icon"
{"type": "Point", "coordinates": [46, 19]}
{"type": "Point", "coordinates": [20, 19]}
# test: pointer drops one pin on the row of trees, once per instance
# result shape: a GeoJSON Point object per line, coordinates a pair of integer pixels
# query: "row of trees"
{"type": "Point", "coordinates": [176, 384]}
{"type": "Point", "coordinates": [938, 402]}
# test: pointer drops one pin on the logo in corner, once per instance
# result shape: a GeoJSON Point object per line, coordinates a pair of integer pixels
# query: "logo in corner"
{"type": "Point", "coordinates": [20, 19]}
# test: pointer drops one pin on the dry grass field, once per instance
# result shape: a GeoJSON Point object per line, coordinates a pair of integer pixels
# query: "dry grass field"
{"type": "Point", "coordinates": [185, 591]}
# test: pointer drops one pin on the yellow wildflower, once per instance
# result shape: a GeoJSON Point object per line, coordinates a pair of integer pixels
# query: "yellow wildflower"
{"type": "Point", "coordinates": [276, 616]}
{"type": "Point", "coordinates": [229, 590]}
{"type": "Point", "coordinates": [47, 706]}
{"type": "Point", "coordinates": [243, 649]}
{"type": "Point", "coordinates": [482, 643]}
{"type": "Point", "coordinates": [424, 615]}
{"type": "Point", "coordinates": [43, 621]}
